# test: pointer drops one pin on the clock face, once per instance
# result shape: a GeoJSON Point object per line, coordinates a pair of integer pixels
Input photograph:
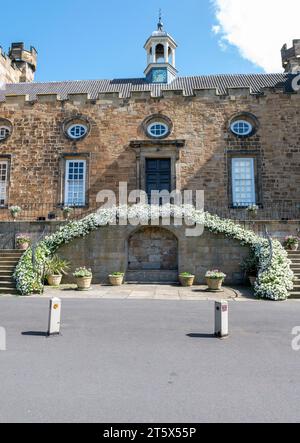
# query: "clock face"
{"type": "Point", "coordinates": [159, 76]}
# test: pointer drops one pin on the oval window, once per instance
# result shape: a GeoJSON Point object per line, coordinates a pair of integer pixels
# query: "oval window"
{"type": "Point", "coordinates": [4, 132]}
{"type": "Point", "coordinates": [241, 127]}
{"type": "Point", "coordinates": [77, 131]}
{"type": "Point", "coordinates": [158, 129]}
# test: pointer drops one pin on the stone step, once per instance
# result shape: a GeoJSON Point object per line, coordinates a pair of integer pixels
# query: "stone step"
{"type": "Point", "coordinates": [18, 251]}
{"type": "Point", "coordinates": [9, 261]}
{"type": "Point", "coordinates": [6, 277]}
{"type": "Point", "coordinates": [8, 291]}
{"type": "Point", "coordinates": [154, 277]}
{"type": "Point", "coordinates": [9, 268]}
{"type": "Point", "coordinates": [14, 256]}
{"type": "Point", "coordinates": [296, 288]}
{"type": "Point", "coordinates": [295, 295]}
{"type": "Point", "coordinates": [6, 271]}
{"type": "Point", "coordinates": [7, 284]}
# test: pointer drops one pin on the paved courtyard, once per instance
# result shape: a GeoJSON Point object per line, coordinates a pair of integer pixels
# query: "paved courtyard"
{"type": "Point", "coordinates": [149, 361]}
{"type": "Point", "coordinates": [149, 292]}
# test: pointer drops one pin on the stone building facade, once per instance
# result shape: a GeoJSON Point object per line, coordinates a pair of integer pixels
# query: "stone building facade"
{"type": "Point", "coordinates": [236, 137]}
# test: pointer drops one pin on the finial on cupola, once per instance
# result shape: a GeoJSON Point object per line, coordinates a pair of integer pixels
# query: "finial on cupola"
{"type": "Point", "coordinates": [160, 25]}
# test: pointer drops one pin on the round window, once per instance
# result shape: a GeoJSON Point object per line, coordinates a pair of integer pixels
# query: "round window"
{"type": "Point", "coordinates": [241, 127]}
{"type": "Point", "coordinates": [77, 131]}
{"type": "Point", "coordinates": [4, 132]}
{"type": "Point", "coordinates": [158, 129]}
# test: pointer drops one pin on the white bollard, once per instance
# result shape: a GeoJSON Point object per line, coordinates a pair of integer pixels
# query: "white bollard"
{"type": "Point", "coordinates": [54, 316]}
{"type": "Point", "coordinates": [221, 319]}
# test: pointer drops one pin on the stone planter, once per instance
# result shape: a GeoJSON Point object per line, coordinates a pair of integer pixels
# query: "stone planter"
{"type": "Point", "coordinates": [67, 215]}
{"type": "Point", "coordinates": [116, 280]}
{"type": "Point", "coordinates": [54, 280]}
{"type": "Point", "coordinates": [187, 282]}
{"type": "Point", "coordinates": [83, 283]}
{"type": "Point", "coordinates": [214, 284]}
{"type": "Point", "coordinates": [23, 246]}
{"type": "Point", "coordinates": [252, 215]}
{"type": "Point", "coordinates": [294, 247]}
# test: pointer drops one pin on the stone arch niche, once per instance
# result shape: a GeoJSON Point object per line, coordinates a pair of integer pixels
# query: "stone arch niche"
{"type": "Point", "coordinates": [152, 255]}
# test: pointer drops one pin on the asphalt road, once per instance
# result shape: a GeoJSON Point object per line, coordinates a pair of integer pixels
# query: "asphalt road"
{"type": "Point", "coordinates": [149, 361]}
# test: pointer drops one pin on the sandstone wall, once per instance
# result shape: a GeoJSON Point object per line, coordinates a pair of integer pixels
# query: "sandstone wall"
{"type": "Point", "coordinates": [37, 146]}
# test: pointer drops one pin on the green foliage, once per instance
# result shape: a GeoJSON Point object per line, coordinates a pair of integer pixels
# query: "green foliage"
{"type": "Point", "coordinates": [291, 241]}
{"type": "Point", "coordinates": [251, 265]}
{"type": "Point", "coordinates": [186, 275]}
{"type": "Point", "coordinates": [82, 272]}
{"type": "Point", "coordinates": [22, 239]}
{"type": "Point", "coordinates": [56, 266]}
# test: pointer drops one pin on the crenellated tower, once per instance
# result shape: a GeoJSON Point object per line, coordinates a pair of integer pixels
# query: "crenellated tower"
{"type": "Point", "coordinates": [19, 65]}
{"type": "Point", "coordinates": [291, 57]}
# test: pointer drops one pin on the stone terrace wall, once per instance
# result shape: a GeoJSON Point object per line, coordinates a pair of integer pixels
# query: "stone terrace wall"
{"type": "Point", "coordinates": [106, 251]}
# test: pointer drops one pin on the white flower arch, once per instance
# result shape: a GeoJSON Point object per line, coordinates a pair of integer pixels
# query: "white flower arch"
{"type": "Point", "coordinates": [274, 282]}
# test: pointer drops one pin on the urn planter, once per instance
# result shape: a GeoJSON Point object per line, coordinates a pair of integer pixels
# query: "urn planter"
{"type": "Point", "coordinates": [214, 284]}
{"type": "Point", "coordinates": [54, 280]}
{"type": "Point", "coordinates": [116, 280]}
{"type": "Point", "coordinates": [23, 246]}
{"type": "Point", "coordinates": [83, 283]}
{"type": "Point", "coordinates": [187, 281]}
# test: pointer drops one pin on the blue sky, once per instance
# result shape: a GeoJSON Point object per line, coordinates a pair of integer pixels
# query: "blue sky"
{"type": "Point", "coordinates": [104, 39]}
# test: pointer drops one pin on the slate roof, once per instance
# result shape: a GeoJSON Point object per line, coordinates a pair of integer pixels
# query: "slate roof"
{"type": "Point", "coordinates": [256, 82]}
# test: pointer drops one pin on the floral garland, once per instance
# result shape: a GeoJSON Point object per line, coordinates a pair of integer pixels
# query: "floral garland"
{"type": "Point", "coordinates": [274, 282]}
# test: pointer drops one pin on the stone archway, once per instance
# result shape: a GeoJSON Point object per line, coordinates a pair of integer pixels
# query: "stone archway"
{"type": "Point", "coordinates": [152, 255]}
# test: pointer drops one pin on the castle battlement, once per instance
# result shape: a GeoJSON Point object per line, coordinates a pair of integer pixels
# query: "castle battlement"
{"type": "Point", "coordinates": [115, 98]}
{"type": "Point", "coordinates": [291, 57]}
{"type": "Point", "coordinates": [19, 65]}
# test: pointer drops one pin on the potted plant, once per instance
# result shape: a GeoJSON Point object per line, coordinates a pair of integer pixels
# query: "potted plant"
{"type": "Point", "coordinates": [186, 279]}
{"type": "Point", "coordinates": [83, 278]}
{"type": "Point", "coordinates": [291, 243]}
{"type": "Point", "coordinates": [23, 242]}
{"type": "Point", "coordinates": [15, 211]}
{"type": "Point", "coordinates": [67, 212]}
{"type": "Point", "coordinates": [116, 279]}
{"type": "Point", "coordinates": [252, 211]}
{"type": "Point", "coordinates": [250, 267]}
{"type": "Point", "coordinates": [55, 268]}
{"type": "Point", "coordinates": [215, 280]}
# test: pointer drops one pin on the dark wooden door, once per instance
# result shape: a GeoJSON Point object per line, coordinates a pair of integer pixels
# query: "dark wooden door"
{"type": "Point", "coordinates": [158, 175]}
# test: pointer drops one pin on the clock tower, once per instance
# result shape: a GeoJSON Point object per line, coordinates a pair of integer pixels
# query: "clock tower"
{"type": "Point", "coordinates": [161, 50]}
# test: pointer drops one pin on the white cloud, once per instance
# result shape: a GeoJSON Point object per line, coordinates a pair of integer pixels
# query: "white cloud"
{"type": "Point", "coordinates": [258, 28]}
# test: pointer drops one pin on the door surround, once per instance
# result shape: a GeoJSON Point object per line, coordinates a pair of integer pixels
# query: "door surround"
{"type": "Point", "coordinates": [147, 149]}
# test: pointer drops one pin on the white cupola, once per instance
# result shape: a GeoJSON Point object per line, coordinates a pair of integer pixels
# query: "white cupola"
{"type": "Point", "coordinates": [161, 53]}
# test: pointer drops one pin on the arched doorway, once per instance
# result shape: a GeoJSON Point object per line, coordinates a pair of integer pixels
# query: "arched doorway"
{"type": "Point", "coordinates": [152, 255]}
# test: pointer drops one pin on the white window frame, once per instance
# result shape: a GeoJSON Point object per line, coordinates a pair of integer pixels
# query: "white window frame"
{"type": "Point", "coordinates": [235, 200]}
{"type": "Point", "coordinates": [4, 185]}
{"type": "Point", "coordinates": [164, 125]}
{"type": "Point", "coordinates": [242, 134]}
{"type": "Point", "coordinates": [67, 183]}
{"type": "Point", "coordinates": [4, 128]}
{"type": "Point", "coordinates": [79, 136]}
